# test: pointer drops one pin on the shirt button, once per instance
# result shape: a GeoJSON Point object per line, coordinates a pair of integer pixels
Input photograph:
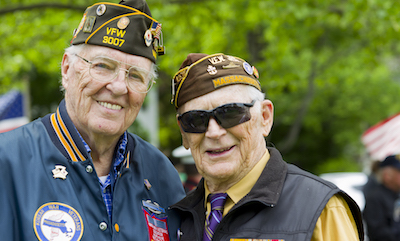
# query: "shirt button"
{"type": "Point", "coordinates": [116, 226]}
{"type": "Point", "coordinates": [89, 169]}
{"type": "Point", "coordinates": [103, 226]}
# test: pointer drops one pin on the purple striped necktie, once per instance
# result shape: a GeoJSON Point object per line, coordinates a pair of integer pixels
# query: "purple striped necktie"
{"type": "Point", "coordinates": [217, 201]}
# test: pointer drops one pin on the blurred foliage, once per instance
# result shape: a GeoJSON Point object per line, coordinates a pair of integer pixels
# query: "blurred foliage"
{"type": "Point", "coordinates": [331, 68]}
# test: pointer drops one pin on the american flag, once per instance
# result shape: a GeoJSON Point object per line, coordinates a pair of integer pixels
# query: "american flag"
{"type": "Point", "coordinates": [12, 111]}
{"type": "Point", "coordinates": [156, 29]}
{"type": "Point", "coordinates": [383, 139]}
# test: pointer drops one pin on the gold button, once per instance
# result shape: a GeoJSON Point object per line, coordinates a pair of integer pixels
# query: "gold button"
{"type": "Point", "coordinates": [116, 226]}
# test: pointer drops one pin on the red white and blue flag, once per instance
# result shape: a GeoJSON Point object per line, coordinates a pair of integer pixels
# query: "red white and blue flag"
{"type": "Point", "coordinates": [383, 139]}
{"type": "Point", "coordinates": [12, 111]}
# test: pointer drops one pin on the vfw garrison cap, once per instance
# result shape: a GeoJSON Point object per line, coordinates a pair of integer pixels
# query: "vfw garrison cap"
{"type": "Point", "coordinates": [200, 74]}
{"type": "Point", "coordinates": [127, 26]}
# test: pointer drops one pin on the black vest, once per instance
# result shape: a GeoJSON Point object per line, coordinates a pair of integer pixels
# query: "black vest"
{"type": "Point", "coordinates": [284, 204]}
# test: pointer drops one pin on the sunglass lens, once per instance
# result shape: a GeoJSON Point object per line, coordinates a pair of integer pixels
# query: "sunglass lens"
{"type": "Point", "coordinates": [232, 115]}
{"type": "Point", "coordinates": [194, 121]}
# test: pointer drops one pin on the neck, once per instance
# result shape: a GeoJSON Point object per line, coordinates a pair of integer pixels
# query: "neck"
{"type": "Point", "coordinates": [218, 187]}
{"type": "Point", "coordinates": [102, 152]}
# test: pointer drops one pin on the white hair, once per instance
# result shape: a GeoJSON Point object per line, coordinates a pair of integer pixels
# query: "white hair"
{"type": "Point", "coordinates": [81, 48]}
{"type": "Point", "coordinates": [255, 94]}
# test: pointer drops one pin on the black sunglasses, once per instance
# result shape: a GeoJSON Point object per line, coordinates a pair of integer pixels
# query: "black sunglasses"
{"type": "Point", "coordinates": [227, 116]}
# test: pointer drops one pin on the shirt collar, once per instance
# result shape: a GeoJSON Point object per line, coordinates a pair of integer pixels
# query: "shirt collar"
{"type": "Point", "coordinates": [241, 188]}
{"type": "Point", "coordinates": [119, 155]}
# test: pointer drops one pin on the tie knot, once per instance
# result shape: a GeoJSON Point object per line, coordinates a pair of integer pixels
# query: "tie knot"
{"type": "Point", "coordinates": [217, 200]}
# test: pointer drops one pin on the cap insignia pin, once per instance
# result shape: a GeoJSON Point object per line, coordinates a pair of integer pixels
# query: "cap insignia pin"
{"type": "Point", "coordinates": [211, 70]}
{"type": "Point", "coordinates": [60, 172]}
{"type": "Point", "coordinates": [230, 66]}
{"type": "Point", "coordinates": [231, 58]}
{"type": "Point", "coordinates": [89, 23]}
{"type": "Point", "coordinates": [216, 59]}
{"type": "Point", "coordinates": [255, 72]}
{"type": "Point", "coordinates": [123, 23]}
{"type": "Point", "coordinates": [148, 37]}
{"type": "Point", "coordinates": [101, 9]}
{"type": "Point", "coordinates": [247, 68]}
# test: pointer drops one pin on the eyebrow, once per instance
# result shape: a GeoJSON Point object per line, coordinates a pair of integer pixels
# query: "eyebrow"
{"type": "Point", "coordinates": [140, 67]}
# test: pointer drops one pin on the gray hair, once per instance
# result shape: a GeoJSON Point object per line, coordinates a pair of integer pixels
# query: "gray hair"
{"type": "Point", "coordinates": [255, 94]}
{"type": "Point", "coordinates": [81, 48]}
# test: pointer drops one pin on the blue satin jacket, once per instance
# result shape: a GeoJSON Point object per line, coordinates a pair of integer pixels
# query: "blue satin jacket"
{"type": "Point", "coordinates": [49, 189]}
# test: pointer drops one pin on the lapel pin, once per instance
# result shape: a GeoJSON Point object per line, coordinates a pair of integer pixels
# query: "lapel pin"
{"type": "Point", "coordinates": [60, 172]}
{"type": "Point", "coordinates": [147, 184]}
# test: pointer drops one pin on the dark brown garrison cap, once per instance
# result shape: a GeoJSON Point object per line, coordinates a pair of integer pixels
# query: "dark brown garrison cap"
{"type": "Point", "coordinates": [127, 26]}
{"type": "Point", "coordinates": [200, 74]}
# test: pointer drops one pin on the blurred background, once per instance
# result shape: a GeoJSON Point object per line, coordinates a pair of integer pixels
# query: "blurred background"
{"type": "Point", "coordinates": [330, 67]}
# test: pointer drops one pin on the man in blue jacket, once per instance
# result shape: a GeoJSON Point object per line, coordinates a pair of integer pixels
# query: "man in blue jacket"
{"type": "Point", "coordinates": [77, 174]}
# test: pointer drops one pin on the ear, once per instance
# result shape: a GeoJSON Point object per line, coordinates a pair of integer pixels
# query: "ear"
{"type": "Point", "coordinates": [267, 111]}
{"type": "Point", "coordinates": [185, 142]}
{"type": "Point", "coordinates": [65, 67]}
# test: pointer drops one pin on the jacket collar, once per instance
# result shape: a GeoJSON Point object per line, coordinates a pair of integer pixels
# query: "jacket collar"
{"type": "Point", "coordinates": [69, 141]}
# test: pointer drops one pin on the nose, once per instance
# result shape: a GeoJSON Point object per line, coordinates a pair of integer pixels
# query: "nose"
{"type": "Point", "coordinates": [214, 130]}
{"type": "Point", "coordinates": [118, 85]}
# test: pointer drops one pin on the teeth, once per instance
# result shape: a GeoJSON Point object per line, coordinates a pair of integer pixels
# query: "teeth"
{"type": "Point", "coordinates": [110, 106]}
{"type": "Point", "coordinates": [220, 150]}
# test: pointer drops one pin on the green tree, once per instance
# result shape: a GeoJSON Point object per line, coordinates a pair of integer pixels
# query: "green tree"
{"type": "Point", "coordinates": [330, 67]}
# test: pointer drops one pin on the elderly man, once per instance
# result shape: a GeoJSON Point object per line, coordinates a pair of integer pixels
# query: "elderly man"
{"type": "Point", "coordinates": [248, 192]}
{"type": "Point", "coordinates": [77, 174]}
{"type": "Point", "coordinates": [382, 202]}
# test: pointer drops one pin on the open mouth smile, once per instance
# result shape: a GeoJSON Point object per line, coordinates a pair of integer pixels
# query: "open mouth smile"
{"type": "Point", "coordinates": [110, 106]}
{"type": "Point", "coordinates": [219, 151]}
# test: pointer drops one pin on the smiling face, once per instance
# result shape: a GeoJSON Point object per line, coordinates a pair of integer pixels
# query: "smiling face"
{"type": "Point", "coordinates": [224, 156]}
{"type": "Point", "coordinates": [100, 109]}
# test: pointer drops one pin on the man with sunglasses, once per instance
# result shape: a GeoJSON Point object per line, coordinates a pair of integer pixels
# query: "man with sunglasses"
{"type": "Point", "coordinates": [77, 174]}
{"type": "Point", "coordinates": [247, 192]}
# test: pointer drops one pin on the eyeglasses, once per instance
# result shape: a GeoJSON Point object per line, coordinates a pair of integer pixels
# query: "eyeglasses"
{"type": "Point", "coordinates": [227, 116]}
{"type": "Point", "coordinates": [105, 69]}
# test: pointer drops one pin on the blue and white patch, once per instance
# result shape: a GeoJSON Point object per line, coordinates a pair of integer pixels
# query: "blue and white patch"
{"type": "Point", "coordinates": [247, 67]}
{"type": "Point", "coordinates": [57, 222]}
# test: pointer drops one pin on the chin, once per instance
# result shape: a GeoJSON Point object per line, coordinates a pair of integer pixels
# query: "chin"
{"type": "Point", "coordinates": [107, 129]}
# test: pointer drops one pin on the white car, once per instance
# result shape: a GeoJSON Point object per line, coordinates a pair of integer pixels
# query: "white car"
{"type": "Point", "coordinates": [350, 182]}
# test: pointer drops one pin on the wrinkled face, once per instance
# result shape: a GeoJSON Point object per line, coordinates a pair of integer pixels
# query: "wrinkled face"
{"type": "Point", "coordinates": [227, 155]}
{"type": "Point", "coordinates": [100, 108]}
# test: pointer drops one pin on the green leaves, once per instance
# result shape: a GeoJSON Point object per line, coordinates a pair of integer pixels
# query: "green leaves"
{"type": "Point", "coordinates": [330, 67]}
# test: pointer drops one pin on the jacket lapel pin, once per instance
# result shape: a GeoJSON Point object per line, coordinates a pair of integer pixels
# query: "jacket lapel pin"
{"type": "Point", "coordinates": [60, 172]}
